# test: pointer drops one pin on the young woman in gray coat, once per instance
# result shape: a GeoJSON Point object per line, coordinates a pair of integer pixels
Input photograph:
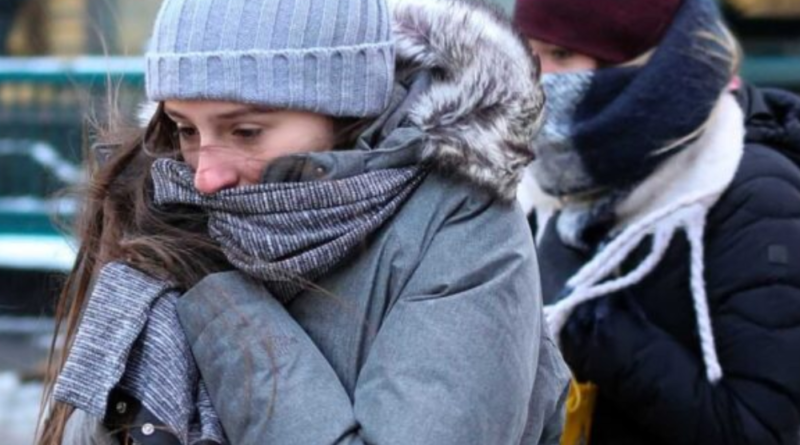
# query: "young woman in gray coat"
{"type": "Point", "coordinates": [315, 241]}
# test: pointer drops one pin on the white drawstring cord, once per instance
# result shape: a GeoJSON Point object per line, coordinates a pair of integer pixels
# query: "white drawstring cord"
{"type": "Point", "coordinates": [588, 283]}
{"type": "Point", "coordinates": [695, 233]}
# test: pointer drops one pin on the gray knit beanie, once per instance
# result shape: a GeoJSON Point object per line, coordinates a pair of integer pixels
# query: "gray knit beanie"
{"type": "Point", "coordinates": [334, 57]}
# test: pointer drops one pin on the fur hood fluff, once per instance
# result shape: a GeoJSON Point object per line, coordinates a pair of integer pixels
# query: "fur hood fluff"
{"type": "Point", "coordinates": [485, 103]}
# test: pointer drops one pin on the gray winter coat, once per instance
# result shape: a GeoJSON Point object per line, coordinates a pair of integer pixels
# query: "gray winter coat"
{"type": "Point", "coordinates": [432, 333]}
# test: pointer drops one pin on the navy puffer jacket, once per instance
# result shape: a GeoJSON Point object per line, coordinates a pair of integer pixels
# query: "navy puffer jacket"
{"type": "Point", "coordinates": [641, 347]}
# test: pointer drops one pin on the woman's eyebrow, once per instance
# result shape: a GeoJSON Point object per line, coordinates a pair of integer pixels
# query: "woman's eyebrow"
{"type": "Point", "coordinates": [174, 115]}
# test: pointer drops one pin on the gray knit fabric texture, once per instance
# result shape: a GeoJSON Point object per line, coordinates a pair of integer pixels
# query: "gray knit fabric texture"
{"type": "Point", "coordinates": [334, 57]}
{"type": "Point", "coordinates": [289, 234]}
{"type": "Point", "coordinates": [130, 337]}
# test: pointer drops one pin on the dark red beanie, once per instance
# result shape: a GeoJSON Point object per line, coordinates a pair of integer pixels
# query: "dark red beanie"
{"type": "Point", "coordinates": [613, 31]}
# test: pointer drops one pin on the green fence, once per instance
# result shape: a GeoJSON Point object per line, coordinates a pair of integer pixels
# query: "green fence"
{"type": "Point", "coordinates": [44, 105]}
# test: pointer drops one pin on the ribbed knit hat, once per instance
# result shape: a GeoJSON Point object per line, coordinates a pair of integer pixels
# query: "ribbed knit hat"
{"type": "Point", "coordinates": [334, 57]}
{"type": "Point", "coordinates": [612, 31]}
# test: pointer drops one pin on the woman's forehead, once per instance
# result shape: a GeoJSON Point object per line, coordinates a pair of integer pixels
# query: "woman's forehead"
{"type": "Point", "coordinates": [217, 110]}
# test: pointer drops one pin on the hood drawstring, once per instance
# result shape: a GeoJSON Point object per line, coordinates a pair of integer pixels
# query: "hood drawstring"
{"type": "Point", "coordinates": [588, 284]}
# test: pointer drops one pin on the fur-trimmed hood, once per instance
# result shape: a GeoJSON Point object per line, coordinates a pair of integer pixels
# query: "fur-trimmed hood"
{"type": "Point", "coordinates": [484, 104]}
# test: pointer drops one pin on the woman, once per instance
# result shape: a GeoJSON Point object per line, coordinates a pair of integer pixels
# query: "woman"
{"type": "Point", "coordinates": [668, 225]}
{"type": "Point", "coordinates": [314, 243]}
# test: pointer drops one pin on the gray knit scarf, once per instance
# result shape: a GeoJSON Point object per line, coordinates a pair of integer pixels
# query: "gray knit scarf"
{"type": "Point", "coordinates": [288, 232]}
{"type": "Point", "coordinates": [282, 233]}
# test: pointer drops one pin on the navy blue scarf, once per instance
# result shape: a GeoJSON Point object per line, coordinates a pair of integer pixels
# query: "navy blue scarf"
{"type": "Point", "coordinates": [607, 130]}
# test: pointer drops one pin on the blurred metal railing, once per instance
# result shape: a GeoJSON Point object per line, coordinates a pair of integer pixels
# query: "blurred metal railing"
{"type": "Point", "coordinates": [44, 105]}
{"type": "Point", "coordinates": [773, 70]}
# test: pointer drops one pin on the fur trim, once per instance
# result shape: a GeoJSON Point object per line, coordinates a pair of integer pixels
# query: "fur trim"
{"type": "Point", "coordinates": [485, 104]}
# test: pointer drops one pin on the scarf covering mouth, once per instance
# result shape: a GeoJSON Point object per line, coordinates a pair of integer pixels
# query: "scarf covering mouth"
{"type": "Point", "coordinates": [607, 130]}
{"type": "Point", "coordinates": [657, 145]}
{"type": "Point", "coordinates": [285, 233]}
{"type": "Point", "coordinates": [282, 233]}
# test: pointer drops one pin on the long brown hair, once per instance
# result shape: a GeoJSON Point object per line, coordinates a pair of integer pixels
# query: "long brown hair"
{"type": "Point", "coordinates": [119, 221]}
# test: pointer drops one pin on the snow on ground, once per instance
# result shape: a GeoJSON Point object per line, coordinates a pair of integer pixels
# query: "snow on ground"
{"type": "Point", "coordinates": [19, 409]}
{"type": "Point", "coordinates": [24, 343]}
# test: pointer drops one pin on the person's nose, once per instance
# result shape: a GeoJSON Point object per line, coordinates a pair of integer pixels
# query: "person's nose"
{"type": "Point", "coordinates": [215, 171]}
{"type": "Point", "coordinates": [548, 66]}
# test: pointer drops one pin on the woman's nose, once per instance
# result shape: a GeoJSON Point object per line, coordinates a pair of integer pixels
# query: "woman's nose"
{"type": "Point", "coordinates": [215, 171]}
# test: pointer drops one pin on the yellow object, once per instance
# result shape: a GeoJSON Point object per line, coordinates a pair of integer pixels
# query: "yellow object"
{"type": "Point", "coordinates": [67, 27]}
{"type": "Point", "coordinates": [768, 8]}
{"type": "Point", "coordinates": [580, 410]}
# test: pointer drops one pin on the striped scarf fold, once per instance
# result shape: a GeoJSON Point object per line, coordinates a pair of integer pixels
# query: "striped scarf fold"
{"type": "Point", "coordinates": [130, 338]}
{"type": "Point", "coordinates": [282, 233]}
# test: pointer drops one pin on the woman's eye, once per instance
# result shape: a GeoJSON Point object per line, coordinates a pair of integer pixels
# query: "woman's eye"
{"type": "Point", "coordinates": [187, 132]}
{"type": "Point", "coordinates": [247, 133]}
{"type": "Point", "coordinates": [561, 54]}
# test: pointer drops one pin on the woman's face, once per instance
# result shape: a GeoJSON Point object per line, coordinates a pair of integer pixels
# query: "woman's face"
{"type": "Point", "coordinates": [229, 144]}
{"type": "Point", "coordinates": [556, 59]}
